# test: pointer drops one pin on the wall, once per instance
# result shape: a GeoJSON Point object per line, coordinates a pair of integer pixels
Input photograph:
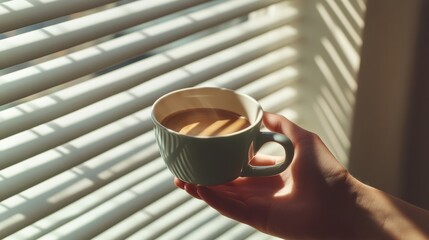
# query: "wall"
{"type": "Point", "coordinates": [390, 125]}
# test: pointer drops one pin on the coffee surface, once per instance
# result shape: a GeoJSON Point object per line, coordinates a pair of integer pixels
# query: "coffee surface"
{"type": "Point", "coordinates": [205, 122]}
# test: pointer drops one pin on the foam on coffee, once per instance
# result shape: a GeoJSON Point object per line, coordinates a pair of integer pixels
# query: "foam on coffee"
{"type": "Point", "coordinates": [205, 122]}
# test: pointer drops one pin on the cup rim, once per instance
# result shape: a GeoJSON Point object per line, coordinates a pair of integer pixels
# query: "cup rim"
{"type": "Point", "coordinates": [252, 125]}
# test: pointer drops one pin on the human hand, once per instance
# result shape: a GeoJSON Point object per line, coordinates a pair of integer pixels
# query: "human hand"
{"type": "Point", "coordinates": [314, 198]}
{"type": "Point", "coordinates": [308, 200]}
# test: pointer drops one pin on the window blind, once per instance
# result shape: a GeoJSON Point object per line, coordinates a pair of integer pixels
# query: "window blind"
{"type": "Point", "coordinates": [78, 158]}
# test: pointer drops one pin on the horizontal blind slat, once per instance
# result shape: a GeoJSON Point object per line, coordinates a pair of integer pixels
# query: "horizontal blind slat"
{"type": "Point", "coordinates": [49, 74]}
{"type": "Point", "coordinates": [81, 95]}
{"type": "Point", "coordinates": [171, 219]}
{"type": "Point", "coordinates": [279, 100]}
{"type": "Point", "coordinates": [120, 105]}
{"type": "Point", "coordinates": [53, 214]}
{"type": "Point", "coordinates": [17, 179]}
{"type": "Point", "coordinates": [260, 236]}
{"type": "Point", "coordinates": [252, 71]}
{"type": "Point", "coordinates": [187, 225]}
{"type": "Point", "coordinates": [41, 42]}
{"type": "Point", "coordinates": [271, 82]}
{"type": "Point", "coordinates": [240, 231]}
{"type": "Point", "coordinates": [95, 221]}
{"type": "Point", "coordinates": [17, 13]}
{"type": "Point", "coordinates": [140, 219]}
{"type": "Point", "coordinates": [212, 229]}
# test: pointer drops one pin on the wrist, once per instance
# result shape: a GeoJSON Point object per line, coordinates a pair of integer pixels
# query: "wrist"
{"type": "Point", "coordinates": [368, 220]}
{"type": "Point", "coordinates": [382, 216]}
{"type": "Point", "coordinates": [357, 219]}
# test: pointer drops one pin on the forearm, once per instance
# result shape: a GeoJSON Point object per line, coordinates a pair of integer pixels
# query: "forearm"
{"type": "Point", "coordinates": [394, 218]}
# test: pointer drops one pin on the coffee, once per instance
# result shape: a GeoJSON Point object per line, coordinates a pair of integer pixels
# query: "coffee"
{"type": "Point", "coordinates": [205, 122]}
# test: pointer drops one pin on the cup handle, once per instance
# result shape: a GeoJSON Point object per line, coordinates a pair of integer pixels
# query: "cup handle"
{"type": "Point", "coordinates": [261, 139]}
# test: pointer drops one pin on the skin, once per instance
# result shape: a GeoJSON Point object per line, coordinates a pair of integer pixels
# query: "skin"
{"type": "Point", "coordinates": [315, 198]}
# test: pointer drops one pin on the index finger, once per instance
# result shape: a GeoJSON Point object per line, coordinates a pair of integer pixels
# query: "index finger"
{"type": "Point", "coordinates": [280, 124]}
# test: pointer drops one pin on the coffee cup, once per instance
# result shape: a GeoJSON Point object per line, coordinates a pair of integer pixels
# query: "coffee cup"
{"type": "Point", "coordinates": [208, 135]}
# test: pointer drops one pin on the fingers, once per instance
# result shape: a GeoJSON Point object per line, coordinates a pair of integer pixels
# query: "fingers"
{"type": "Point", "coordinates": [179, 183]}
{"type": "Point", "coordinates": [264, 160]}
{"type": "Point", "coordinates": [191, 189]}
{"type": "Point", "coordinates": [280, 124]}
{"type": "Point", "coordinates": [225, 203]}
{"type": "Point", "coordinates": [225, 199]}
